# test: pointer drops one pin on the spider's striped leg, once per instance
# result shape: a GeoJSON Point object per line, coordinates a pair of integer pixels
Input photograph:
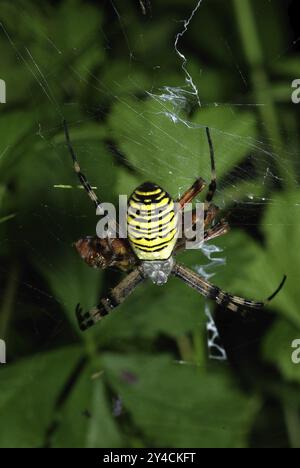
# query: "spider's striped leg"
{"type": "Point", "coordinates": [210, 210]}
{"type": "Point", "coordinates": [219, 229]}
{"type": "Point", "coordinates": [111, 301]}
{"type": "Point", "coordinates": [197, 187]}
{"type": "Point", "coordinates": [210, 214]}
{"type": "Point", "coordinates": [213, 183]}
{"type": "Point", "coordinates": [200, 183]}
{"type": "Point", "coordinates": [83, 180]}
{"type": "Point", "coordinates": [224, 299]}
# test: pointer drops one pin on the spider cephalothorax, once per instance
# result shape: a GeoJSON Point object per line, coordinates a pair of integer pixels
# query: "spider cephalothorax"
{"type": "Point", "coordinates": [152, 243]}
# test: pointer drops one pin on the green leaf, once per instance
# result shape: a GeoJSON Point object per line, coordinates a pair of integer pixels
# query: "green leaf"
{"type": "Point", "coordinates": [252, 271]}
{"type": "Point", "coordinates": [65, 215]}
{"type": "Point", "coordinates": [234, 136]}
{"type": "Point", "coordinates": [255, 271]}
{"type": "Point", "coordinates": [288, 67]}
{"type": "Point", "coordinates": [13, 127]}
{"type": "Point", "coordinates": [281, 225]}
{"type": "Point", "coordinates": [238, 271]}
{"type": "Point", "coordinates": [152, 136]}
{"type": "Point", "coordinates": [120, 79]}
{"type": "Point", "coordinates": [28, 393]}
{"type": "Point", "coordinates": [7, 218]}
{"type": "Point", "coordinates": [86, 419]}
{"type": "Point", "coordinates": [278, 350]}
{"type": "Point", "coordinates": [178, 406]}
{"type": "Point", "coordinates": [70, 18]}
{"type": "Point", "coordinates": [72, 282]}
{"type": "Point", "coordinates": [172, 310]}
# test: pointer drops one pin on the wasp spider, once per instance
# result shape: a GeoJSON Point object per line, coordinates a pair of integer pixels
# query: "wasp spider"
{"type": "Point", "coordinates": [152, 254]}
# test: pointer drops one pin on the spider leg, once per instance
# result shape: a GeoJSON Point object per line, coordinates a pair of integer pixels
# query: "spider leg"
{"type": "Point", "coordinates": [213, 183]}
{"type": "Point", "coordinates": [197, 187]}
{"type": "Point", "coordinates": [210, 214]}
{"type": "Point", "coordinates": [116, 296]}
{"type": "Point", "coordinates": [200, 183]}
{"type": "Point", "coordinates": [210, 210]}
{"type": "Point", "coordinates": [219, 229]}
{"type": "Point", "coordinates": [82, 178]}
{"type": "Point", "coordinates": [224, 299]}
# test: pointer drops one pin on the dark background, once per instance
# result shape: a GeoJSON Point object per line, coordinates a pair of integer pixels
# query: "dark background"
{"type": "Point", "coordinates": [119, 385]}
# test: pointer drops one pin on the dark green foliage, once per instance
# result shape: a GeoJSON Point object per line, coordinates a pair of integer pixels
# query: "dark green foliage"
{"type": "Point", "coordinates": [105, 75]}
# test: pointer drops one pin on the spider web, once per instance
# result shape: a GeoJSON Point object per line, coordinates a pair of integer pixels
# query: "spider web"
{"type": "Point", "coordinates": [174, 105]}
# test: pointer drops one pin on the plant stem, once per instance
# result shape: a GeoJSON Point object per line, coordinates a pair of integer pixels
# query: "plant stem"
{"type": "Point", "coordinates": [185, 348]}
{"type": "Point", "coordinates": [8, 299]}
{"type": "Point", "coordinates": [262, 86]}
{"type": "Point", "coordinates": [199, 353]}
{"type": "Point", "coordinates": [292, 420]}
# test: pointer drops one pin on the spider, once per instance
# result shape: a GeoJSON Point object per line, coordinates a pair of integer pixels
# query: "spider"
{"type": "Point", "coordinates": [152, 255]}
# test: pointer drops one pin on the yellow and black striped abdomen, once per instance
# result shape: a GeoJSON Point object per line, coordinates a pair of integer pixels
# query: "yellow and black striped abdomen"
{"type": "Point", "coordinates": [152, 223]}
